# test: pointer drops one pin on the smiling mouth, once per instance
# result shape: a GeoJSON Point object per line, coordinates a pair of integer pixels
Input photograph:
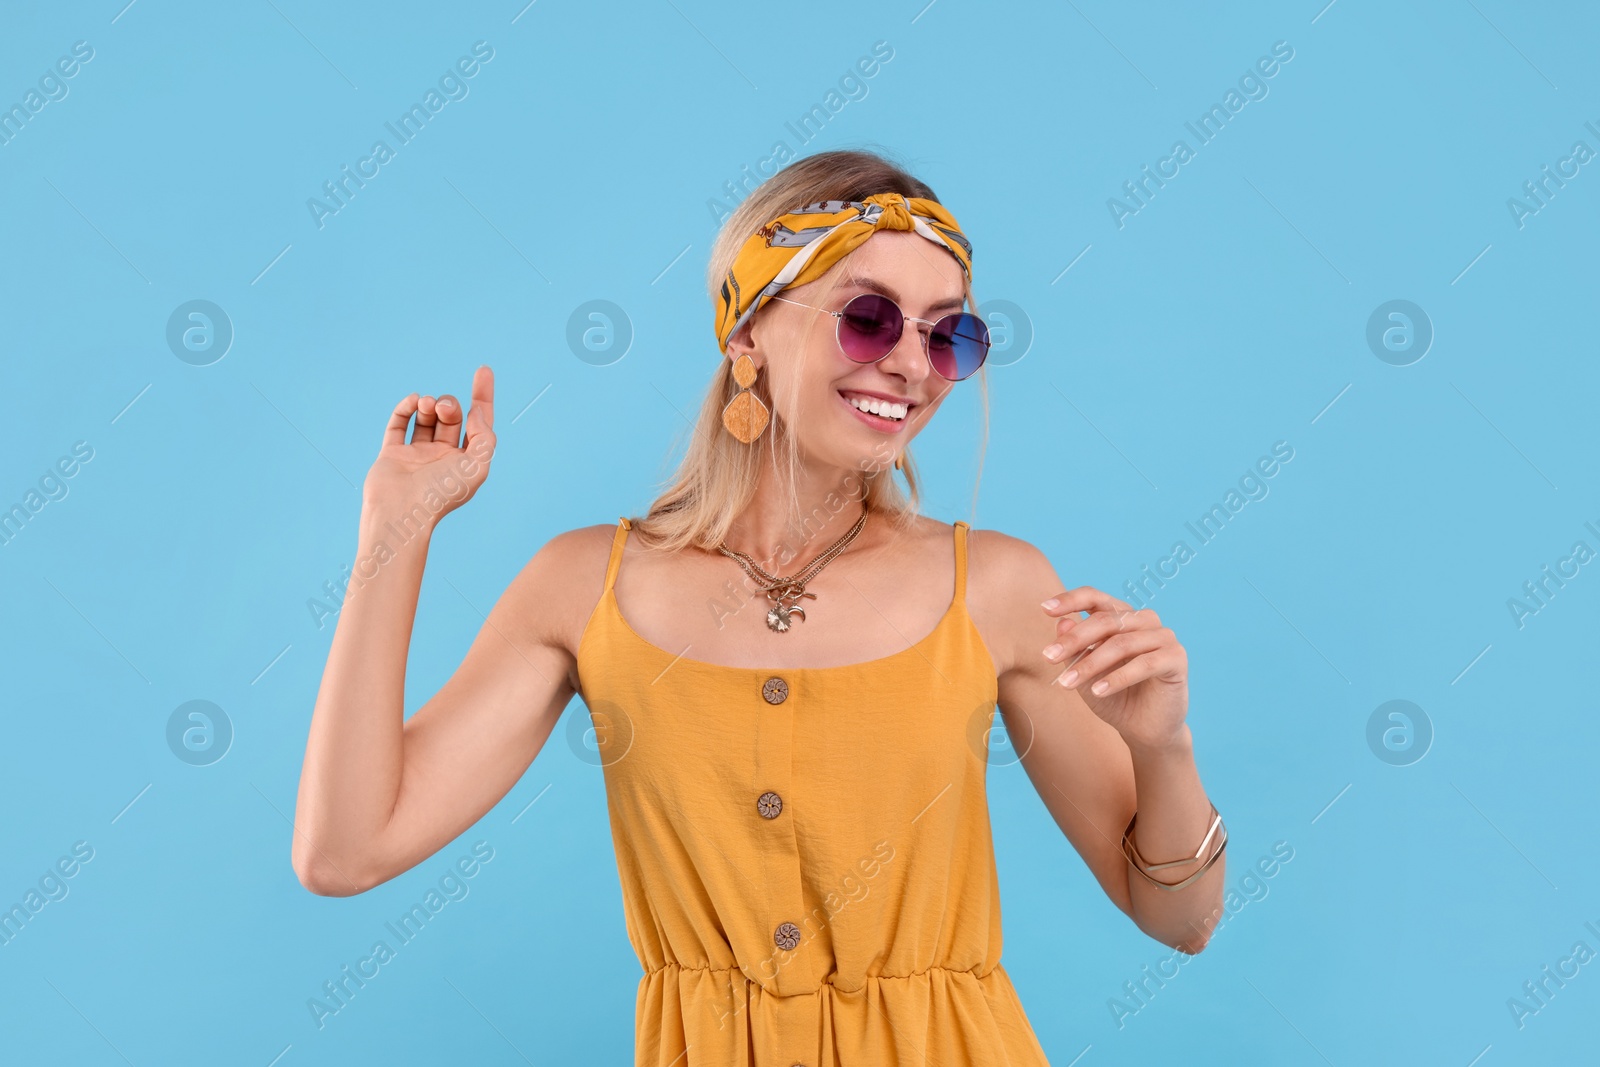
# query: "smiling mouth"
{"type": "Point", "coordinates": [883, 409]}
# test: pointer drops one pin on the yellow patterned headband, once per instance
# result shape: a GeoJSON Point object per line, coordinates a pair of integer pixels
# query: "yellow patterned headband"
{"type": "Point", "coordinates": [800, 246]}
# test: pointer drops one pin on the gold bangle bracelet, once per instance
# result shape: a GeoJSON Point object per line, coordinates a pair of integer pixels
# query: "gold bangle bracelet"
{"type": "Point", "coordinates": [1131, 852]}
{"type": "Point", "coordinates": [1216, 821]}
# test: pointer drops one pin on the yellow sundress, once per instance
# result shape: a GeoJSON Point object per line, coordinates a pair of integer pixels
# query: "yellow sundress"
{"type": "Point", "coordinates": [807, 870]}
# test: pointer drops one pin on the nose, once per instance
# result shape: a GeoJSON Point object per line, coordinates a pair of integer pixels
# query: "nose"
{"type": "Point", "coordinates": [909, 357]}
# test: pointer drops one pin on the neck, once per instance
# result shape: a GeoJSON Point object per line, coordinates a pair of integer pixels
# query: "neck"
{"type": "Point", "coordinates": [782, 540]}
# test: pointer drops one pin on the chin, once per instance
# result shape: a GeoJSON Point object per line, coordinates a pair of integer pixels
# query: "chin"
{"type": "Point", "coordinates": [843, 452]}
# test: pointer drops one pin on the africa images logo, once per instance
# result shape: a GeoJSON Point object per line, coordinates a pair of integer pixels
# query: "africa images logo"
{"type": "Point", "coordinates": [1206, 128]}
{"type": "Point", "coordinates": [452, 86]}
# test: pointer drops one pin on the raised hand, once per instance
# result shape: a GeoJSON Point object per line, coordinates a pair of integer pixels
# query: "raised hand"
{"type": "Point", "coordinates": [1127, 667]}
{"type": "Point", "coordinates": [436, 469]}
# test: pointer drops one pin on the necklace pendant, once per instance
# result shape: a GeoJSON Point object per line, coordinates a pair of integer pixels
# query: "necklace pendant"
{"type": "Point", "coordinates": [778, 617]}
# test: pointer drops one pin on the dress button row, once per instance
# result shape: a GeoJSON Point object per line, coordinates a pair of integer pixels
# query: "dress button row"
{"type": "Point", "coordinates": [769, 804]}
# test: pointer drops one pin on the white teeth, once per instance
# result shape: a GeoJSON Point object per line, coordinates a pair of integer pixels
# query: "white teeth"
{"type": "Point", "coordinates": [881, 408]}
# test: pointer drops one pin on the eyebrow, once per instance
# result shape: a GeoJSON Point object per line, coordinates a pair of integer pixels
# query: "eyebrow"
{"type": "Point", "coordinates": [879, 287]}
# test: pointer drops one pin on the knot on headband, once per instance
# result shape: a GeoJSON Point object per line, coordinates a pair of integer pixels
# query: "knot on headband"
{"type": "Point", "coordinates": [800, 246]}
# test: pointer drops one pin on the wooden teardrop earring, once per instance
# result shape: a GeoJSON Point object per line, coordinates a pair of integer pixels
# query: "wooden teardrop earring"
{"type": "Point", "coordinates": [745, 416]}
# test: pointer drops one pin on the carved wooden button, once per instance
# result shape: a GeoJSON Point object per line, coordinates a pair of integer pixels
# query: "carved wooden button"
{"type": "Point", "coordinates": [776, 690]}
{"type": "Point", "coordinates": [769, 804]}
{"type": "Point", "coordinates": [786, 936]}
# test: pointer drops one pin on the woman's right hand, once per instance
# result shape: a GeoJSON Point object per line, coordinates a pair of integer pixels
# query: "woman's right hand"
{"type": "Point", "coordinates": [380, 791]}
{"type": "Point", "coordinates": [435, 466]}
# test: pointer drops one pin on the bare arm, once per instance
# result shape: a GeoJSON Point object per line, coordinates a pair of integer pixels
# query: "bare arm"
{"type": "Point", "coordinates": [1094, 766]}
{"type": "Point", "coordinates": [378, 793]}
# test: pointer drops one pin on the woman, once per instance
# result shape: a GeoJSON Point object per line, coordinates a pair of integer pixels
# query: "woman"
{"type": "Point", "coordinates": [792, 675]}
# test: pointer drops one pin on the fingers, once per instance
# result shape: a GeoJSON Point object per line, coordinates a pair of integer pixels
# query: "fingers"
{"type": "Point", "coordinates": [480, 420]}
{"type": "Point", "coordinates": [1075, 636]}
{"type": "Point", "coordinates": [427, 419]}
{"type": "Point", "coordinates": [448, 428]}
{"type": "Point", "coordinates": [395, 432]}
{"type": "Point", "coordinates": [1133, 672]}
{"type": "Point", "coordinates": [1084, 598]}
{"type": "Point", "coordinates": [442, 418]}
{"type": "Point", "coordinates": [1113, 653]}
{"type": "Point", "coordinates": [1113, 620]}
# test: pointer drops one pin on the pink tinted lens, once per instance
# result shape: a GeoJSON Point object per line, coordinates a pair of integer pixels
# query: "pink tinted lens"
{"type": "Point", "coordinates": [869, 328]}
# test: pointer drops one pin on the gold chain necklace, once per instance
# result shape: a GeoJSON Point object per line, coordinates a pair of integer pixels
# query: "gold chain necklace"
{"type": "Point", "coordinates": [785, 593]}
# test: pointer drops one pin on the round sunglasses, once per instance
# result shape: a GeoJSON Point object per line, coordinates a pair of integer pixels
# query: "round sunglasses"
{"type": "Point", "coordinates": [869, 327]}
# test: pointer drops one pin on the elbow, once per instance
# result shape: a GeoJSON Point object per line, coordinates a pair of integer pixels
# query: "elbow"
{"type": "Point", "coordinates": [322, 876]}
{"type": "Point", "coordinates": [322, 886]}
{"type": "Point", "coordinates": [1190, 943]}
{"type": "Point", "coordinates": [1190, 939]}
{"type": "Point", "coordinates": [1197, 935]}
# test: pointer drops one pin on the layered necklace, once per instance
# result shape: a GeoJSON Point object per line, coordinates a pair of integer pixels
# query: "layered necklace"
{"type": "Point", "coordinates": [785, 593]}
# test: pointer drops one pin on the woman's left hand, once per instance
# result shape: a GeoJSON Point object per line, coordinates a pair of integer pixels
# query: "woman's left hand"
{"type": "Point", "coordinates": [1129, 669]}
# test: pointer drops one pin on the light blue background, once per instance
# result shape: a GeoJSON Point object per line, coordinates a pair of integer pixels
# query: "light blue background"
{"type": "Point", "coordinates": [1228, 314]}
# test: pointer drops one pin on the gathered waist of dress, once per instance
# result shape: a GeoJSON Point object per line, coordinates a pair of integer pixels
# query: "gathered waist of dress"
{"type": "Point", "coordinates": [975, 971]}
{"type": "Point", "coordinates": [694, 1016]}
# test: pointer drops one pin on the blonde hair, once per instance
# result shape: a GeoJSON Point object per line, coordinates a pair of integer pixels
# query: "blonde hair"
{"type": "Point", "coordinates": [718, 474]}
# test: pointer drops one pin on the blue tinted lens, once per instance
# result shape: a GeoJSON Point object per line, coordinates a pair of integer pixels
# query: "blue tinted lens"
{"type": "Point", "coordinates": [958, 345]}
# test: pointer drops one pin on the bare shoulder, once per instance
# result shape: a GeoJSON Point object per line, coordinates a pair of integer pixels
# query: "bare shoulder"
{"type": "Point", "coordinates": [551, 598]}
{"type": "Point", "coordinates": [1007, 580]}
{"type": "Point", "coordinates": [923, 532]}
{"type": "Point", "coordinates": [999, 561]}
{"type": "Point", "coordinates": [998, 564]}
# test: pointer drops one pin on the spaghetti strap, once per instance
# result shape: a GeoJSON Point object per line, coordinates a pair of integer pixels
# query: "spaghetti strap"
{"type": "Point", "coordinates": [615, 562]}
{"type": "Point", "coordinates": [961, 562]}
